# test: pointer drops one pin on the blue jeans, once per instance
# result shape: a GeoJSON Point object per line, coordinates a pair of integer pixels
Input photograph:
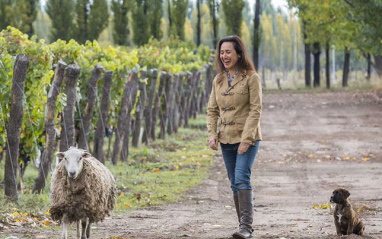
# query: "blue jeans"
{"type": "Point", "coordinates": [239, 165]}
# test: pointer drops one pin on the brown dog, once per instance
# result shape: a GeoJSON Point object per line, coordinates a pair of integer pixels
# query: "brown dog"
{"type": "Point", "coordinates": [345, 218]}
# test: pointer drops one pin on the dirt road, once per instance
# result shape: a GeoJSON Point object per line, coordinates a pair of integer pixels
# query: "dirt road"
{"type": "Point", "coordinates": [313, 143]}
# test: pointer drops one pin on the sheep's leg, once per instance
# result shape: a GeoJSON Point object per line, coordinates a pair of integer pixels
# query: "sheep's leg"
{"type": "Point", "coordinates": [65, 222]}
{"type": "Point", "coordinates": [79, 229]}
{"type": "Point", "coordinates": [85, 228]}
{"type": "Point", "coordinates": [88, 230]}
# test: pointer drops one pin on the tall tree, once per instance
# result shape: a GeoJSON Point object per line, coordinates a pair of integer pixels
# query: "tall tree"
{"type": "Point", "coordinates": [316, 65]}
{"type": "Point", "coordinates": [141, 22]}
{"type": "Point", "coordinates": [198, 29]}
{"type": "Point", "coordinates": [214, 8]}
{"type": "Point", "coordinates": [5, 18]}
{"type": "Point", "coordinates": [256, 35]}
{"type": "Point", "coordinates": [61, 14]}
{"type": "Point", "coordinates": [121, 31]}
{"type": "Point", "coordinates": [178, 16]}
{"type": "Point", "coordinates": [155, 19]}
{"type": "Point", "coordinates": [91, 19]}
{"type": "Point", "coordinates": [233, 16]}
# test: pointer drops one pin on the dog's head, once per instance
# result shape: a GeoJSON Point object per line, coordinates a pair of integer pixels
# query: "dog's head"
{"type": "Point", "coordinates": [339, 195]}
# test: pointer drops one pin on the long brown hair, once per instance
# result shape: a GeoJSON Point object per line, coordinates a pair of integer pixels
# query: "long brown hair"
{"type": "Point", "coordinates": [244, 63]}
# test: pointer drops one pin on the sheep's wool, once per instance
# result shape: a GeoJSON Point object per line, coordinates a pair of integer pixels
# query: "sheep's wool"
{"type": "Point", "coordinates": [91, 194]}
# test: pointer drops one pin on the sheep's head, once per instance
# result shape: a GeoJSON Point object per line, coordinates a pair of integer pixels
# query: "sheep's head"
{"type": "Point", "coordinates": [73, 160]}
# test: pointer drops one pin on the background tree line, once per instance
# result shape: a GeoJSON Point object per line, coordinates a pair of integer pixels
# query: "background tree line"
{"type": "Point", "coordinates": [278, 41]}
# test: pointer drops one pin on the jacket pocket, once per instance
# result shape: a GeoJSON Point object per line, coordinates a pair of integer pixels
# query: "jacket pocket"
{"type": "Point", "coordinates": [240, 123]}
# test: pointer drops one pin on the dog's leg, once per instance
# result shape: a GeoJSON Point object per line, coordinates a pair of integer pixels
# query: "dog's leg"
{"type": "Point", "coordinates": [88, 230]}
{"type": "Point", "coordinates": [351, 225]}
{"type": "Point", "coordinates": [65, 222]}
{"type": "Point", "coordinates": [337, 223]}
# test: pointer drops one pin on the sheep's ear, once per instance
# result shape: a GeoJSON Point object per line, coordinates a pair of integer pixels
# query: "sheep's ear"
{"type": "Point", "coordinates": [60, 155]}
{"type": "Point", "coordinates": [86, 155]}
{"type": "Point", "coordinates": [345, 193]}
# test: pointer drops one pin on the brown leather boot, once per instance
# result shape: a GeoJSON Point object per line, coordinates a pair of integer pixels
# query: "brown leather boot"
{"type": "Point", "coordinates": [236, 200]}
{"type": "Point", "coordinates": [246, 215]}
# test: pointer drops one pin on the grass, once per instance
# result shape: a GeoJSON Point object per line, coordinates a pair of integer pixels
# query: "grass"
{"type": "Point", "coordinates": [153, 175]}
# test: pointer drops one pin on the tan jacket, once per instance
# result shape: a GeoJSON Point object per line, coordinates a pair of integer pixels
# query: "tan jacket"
{"type": "Point", "coordinates": [235, 109]}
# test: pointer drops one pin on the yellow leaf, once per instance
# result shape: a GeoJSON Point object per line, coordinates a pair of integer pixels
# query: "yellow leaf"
{"type": "Point", "coordinates": [16, 214]}
{"type": "Point", "coordinates": [365, 159]}
{"type": "Point", "coordinates": [143, 204]}
{"type": "Point", "coordinates": [121, 195]}
{"type": "Point", "coordinates": [177, 167]}
{"type": "Point", "coordinates": [47, 212]}
{"type": "Point", "coordinates": [136, 151]}
{"type": "Point", "coordinates": [156, 170]}
{"type": "Point", "coordinates": [127, 205]}
{"type": "Point", "coordinates": [46, 223]}
{"type": "Point", "coordinates": [24, 220]}
{"type": "Point", "coordinates": [315, 206]}
{"type": "Point", "coordinates": [17, 220]}
{"type": "Point", "coordinates": [25, 214]}
{"type": "Point", "coordinates": [1, 149]}
{"type": "Point", "coordinates": [310, 155]}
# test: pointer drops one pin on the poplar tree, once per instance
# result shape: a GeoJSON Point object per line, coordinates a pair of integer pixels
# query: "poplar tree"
{"type": "Point", "coordinates": [91, 19]}
{"type": "Point", "coordinates": [141, 22]}
{"type": "Point", "coordinates": [155, 19]}
{"type": "Point", "coordinates": [213, 5]}
{"type": "Point", "coordinates": [5, 20]}
{"type": "Point", "coordinates": [120, 21]}
{"type": "Point", "coordinates": [233, 16]}
{"type": "Point", "coordinates": [61, 14]}
{"type": "Point", "coordinates": [178, 15]}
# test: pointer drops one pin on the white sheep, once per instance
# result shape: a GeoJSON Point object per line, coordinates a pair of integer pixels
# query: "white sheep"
{"type": "Point", "coordinates": [82, 188]}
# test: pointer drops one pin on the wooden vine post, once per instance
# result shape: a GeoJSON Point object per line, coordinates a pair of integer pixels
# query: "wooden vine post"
{"type": "Point", "coordinates": [157, 101]}
{"type": "Point", "coordinates": [149, 107]}
{"type": "Point", "coordinates": [102, 122]}
{"type": "Point", "coordinates": [83, 138]}
{"type": "Point", "coordinates": [140, 108]}
{"type": "Point", "coordinates": [50, 132]}
{"type": "Point", "coordinates": [20, 70]}
{"type": "Point", "coordinates": [67, 130]}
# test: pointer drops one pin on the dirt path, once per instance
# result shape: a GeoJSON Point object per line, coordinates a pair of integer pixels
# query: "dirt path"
{"type": "Point", "coordinates": [313, 143]}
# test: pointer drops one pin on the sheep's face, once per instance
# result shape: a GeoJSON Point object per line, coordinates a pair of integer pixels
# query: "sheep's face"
{"type": "Point", "coordinates": [73, 161]}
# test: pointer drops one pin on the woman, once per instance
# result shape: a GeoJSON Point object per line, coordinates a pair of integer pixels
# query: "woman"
{"type": "Point", "coordinates": [235, 103]}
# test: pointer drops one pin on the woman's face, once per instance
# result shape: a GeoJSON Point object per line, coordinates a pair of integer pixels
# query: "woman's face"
{"type": "Point", "coordinates": [228, 55]}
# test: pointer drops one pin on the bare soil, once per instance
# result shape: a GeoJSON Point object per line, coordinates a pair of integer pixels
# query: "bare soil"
{"type": "Point", "coordinates": [312, 144]}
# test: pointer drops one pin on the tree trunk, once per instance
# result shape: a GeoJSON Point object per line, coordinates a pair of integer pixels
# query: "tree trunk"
{"type": "Point", "coordinates": [15, 121]}
{"type": "Point", "coordinates": [149, 107]}
{"type": "Point", "coordinates": [327, 65]}
{"type": "Point", "coordinates": [182, 102]}
{"type": "Point", "coordinates": [157, 101]}
{"type": "Point", "coordinates": [125, 109]}
{"type": "Point", "coordinates": [50, 132]}
{"type": "Point", "coordinates": [368, 58]}
{"type": "Point", "coordinates": [256, 36]}
{"type": "Point", "coordinates": [133, 86]}
{"type": "Point", "coordinates": [378, 65]}
{"type": "Point", "coordinates": [102, 122]}
{"type": "Point", "coordinates": [139, 109]}
{"type": "Point", "coordinates": [345, 75]}
{"type": "Point", "coordinates": [198, 30]}
{"type": "Point", "coordinates": [170, 103]}
{"type": "Point", "coordinates": [67, 130]}
{"type": "Point", "coordinates": [215, 23]}
{"type": "Point", "coordinates": [307, 60]}
{"type": "Point", "coordinates": [83, 139]}
{"type": "Point", "coordinates": [169, 17]}
{"type": "Point", "coordinates": [316, 68]}
{"type": "Point", "coordinates": [177, 89]}
{"type": "Point", "coordinates": [164, 110]}
{"type": "Point", "coordinates": [188, 95]}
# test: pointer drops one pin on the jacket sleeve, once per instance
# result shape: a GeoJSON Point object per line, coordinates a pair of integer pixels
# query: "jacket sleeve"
{"type": "Point", "coordinates": [255, 106]}
{"type": "Point", "coordinates": [212, 113]}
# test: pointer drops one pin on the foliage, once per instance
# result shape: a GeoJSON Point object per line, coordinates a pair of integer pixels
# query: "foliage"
{"type": "Point", "coordinates": [140, 17]}
{"type": "Point", "coordinates": [233, 16]}
{"type": "Point", "coordinates": [120, 21]}
{"type": "Point", "coordinates": [178, 14]}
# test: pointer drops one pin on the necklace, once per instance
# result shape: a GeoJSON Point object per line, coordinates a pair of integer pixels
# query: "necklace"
{"type": "Point", "coordinates": [231, 79]}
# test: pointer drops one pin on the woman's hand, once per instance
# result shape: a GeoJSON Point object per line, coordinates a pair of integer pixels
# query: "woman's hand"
{"type": "Point", "coordinates": [243, 147]}
{"type": "Point", "coordinates": [213, 143]}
